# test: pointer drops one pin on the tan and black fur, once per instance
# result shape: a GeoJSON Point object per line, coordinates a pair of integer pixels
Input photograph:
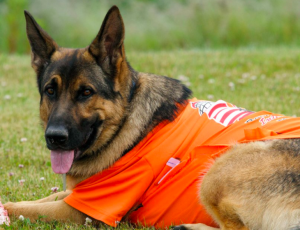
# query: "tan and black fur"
{"type": "Point", "coordinates": [94, 102]}
{"type": "Point", "coordinates": [254, 186]}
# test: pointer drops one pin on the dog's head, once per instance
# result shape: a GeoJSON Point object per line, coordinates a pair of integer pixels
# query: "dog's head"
{"type": "Point", "coordinates": [84, 92]}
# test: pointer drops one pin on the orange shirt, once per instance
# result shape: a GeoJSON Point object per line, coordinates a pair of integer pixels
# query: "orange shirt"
{"type": "Point", "coordinates": [161, 174]}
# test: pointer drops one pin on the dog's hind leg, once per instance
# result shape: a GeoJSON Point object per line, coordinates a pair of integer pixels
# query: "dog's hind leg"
{"type": "Point", "coordinates": [256, 184]}
{"type": "Point", "coordinates": [225, 215]}
{"type": "Point", "coordinates": [205, 227]}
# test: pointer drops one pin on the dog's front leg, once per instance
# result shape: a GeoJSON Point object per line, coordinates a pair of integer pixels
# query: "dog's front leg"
{"type": "Point", "coordinates": [53, 197]}
{"type": "Point", "coordinates": [71, 182]}
{"type": "Point", "coordinates": [47, 211]}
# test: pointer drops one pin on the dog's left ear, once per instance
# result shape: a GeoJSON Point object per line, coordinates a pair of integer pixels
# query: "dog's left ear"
{"type": "Point", "coordinates": [108, 47]}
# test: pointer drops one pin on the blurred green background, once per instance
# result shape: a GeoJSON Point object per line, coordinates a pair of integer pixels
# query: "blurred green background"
{"type": "Point", "coordinates": [157, 24]}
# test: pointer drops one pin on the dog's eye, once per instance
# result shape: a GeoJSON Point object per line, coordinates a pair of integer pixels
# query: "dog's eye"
{"type": "Point", "coordinates": [50, 91]}
{"type": "Point", "coordinates": [86, 92]}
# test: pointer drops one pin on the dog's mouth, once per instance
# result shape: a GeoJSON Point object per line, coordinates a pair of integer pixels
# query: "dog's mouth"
{"type": "Point", "coordinates": [89, 140]}
{"type": "Point", "coordinates": [62, 160]}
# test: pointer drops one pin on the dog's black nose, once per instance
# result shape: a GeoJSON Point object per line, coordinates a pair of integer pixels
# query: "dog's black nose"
{"type": "Point", "coordinates": [56, 136]}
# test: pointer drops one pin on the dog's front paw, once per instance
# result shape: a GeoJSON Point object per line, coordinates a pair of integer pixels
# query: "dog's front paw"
{"type": "Point", "coordinates": [13, 209]}
{"type": "Point", "coordinates": [16, 210]}
{"type": "Point", "coordinates": [9, 206]}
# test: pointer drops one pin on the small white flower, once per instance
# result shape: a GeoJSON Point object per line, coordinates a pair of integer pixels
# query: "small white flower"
{"type": "Point", "coordinates": [231, 85]}
{"type": "Point", "coordinates": [253, 78]}
{"type": "Point", "coordinates": [210, 96]}
{"type": "Point", "coordinates": [241, 81]}
{"type": "Point", "coordinates": [19, 95]}
{"type": "Point", "coordinates": [297, 88]}
{"type": "Point", "coordinates": [211, 81]}
{"type": "Point", "coordinates": [7, 97]}
{"type": "Point", "coordinates": [42, 178]}
{"type": "Point", "coordinates": [23, 139]}
{"type": "Point", "coordinates": [187, 83]}
{"type": "Point", "coordinates": [245, 75]}
{"type": "Point", "coordinates": [21, 182]}
{"type": "Point", "coordinates": [88, 220]}
{"type": "Point", "coordinates": [183, 78]}
{"type": "Point", "coordinates": [21, 166]}
{"type": "Point", "coordinates": [54, 189]}
{"type": "Point", "coordinates": [21, 218]}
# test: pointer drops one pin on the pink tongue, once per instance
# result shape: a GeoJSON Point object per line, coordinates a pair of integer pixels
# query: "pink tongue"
{"type": "Point", "coordinates": [61, 161]}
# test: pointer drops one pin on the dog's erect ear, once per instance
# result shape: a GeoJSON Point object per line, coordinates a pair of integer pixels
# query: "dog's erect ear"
{"type": "Point", "coordinates": [108, 47]}
{"type": "Point", "coordinates": [42, 45]}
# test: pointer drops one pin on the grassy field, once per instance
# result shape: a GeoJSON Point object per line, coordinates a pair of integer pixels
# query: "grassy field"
{"type": "Point", "coordinates": [157, 24]}
{"type": "Point", "coordinates": [257, 79]}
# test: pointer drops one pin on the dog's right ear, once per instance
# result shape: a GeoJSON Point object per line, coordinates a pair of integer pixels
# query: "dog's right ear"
{"type": "Point", "coordinates": [108, 47]}
{"type": "Point", "coordinates": [42, 45]}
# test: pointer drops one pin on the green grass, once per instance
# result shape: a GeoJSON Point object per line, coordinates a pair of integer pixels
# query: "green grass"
{"type": "Point", "coordinates": [263, 79]}
{"type": "Point", "coordinates": [157, 24]}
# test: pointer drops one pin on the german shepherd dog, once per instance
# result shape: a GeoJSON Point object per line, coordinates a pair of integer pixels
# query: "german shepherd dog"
{"type": "Point", "coordinates": [95, 107]}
